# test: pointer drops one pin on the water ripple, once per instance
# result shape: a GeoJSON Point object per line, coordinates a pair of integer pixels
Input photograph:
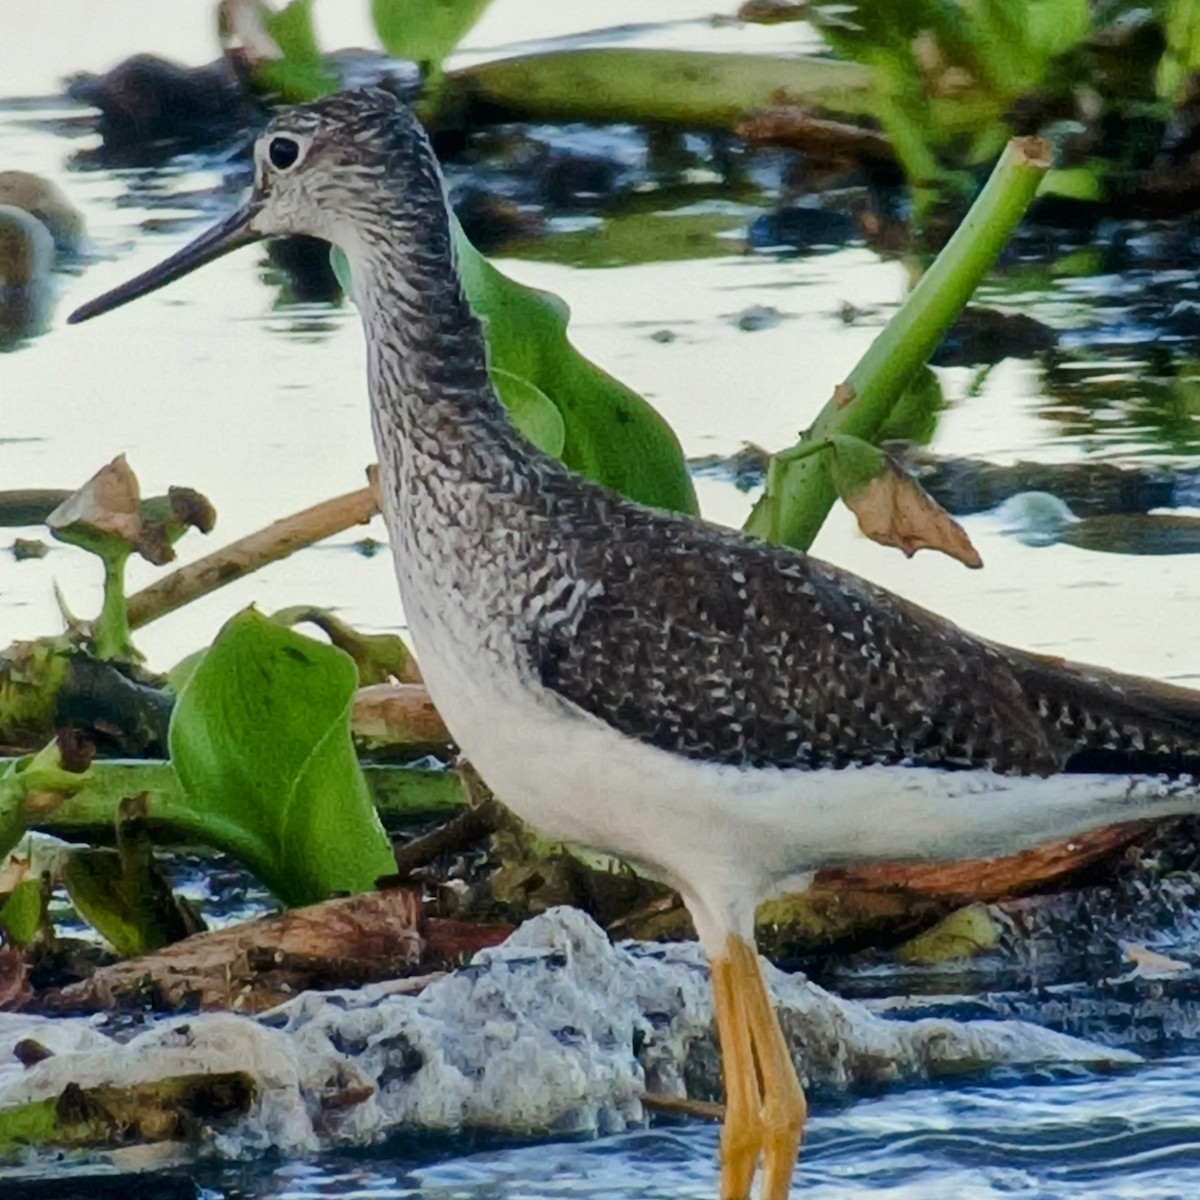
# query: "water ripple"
{"type": "Point", "coordinates": [1129, 1136]}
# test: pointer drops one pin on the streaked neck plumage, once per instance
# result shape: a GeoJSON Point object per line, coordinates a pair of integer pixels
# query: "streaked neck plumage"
{"type": "Point", "coordinates": [427, 358]}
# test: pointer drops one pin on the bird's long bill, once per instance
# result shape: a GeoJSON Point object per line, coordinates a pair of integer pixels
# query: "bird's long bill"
{"type": "Point", "coordinates": [231, 233]}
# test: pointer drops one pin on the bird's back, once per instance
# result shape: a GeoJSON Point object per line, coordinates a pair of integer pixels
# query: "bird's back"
{"type": "Point", "coordinates": [709, 645]}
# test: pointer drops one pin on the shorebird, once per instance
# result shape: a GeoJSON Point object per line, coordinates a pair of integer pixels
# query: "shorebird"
{"type": "Point", "coordinates": [731, 714]}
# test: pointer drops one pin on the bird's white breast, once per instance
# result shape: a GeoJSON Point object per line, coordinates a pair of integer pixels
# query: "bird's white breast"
{"type": "Point", "coordinates": [725, 836]}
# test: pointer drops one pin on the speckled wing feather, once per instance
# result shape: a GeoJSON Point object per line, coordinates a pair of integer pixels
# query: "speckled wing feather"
{"type": "Point", "coordinates": [718, 648]}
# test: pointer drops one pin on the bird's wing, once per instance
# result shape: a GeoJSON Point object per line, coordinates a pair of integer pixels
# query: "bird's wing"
{"type": "Point", "coordinates": [709, 645]}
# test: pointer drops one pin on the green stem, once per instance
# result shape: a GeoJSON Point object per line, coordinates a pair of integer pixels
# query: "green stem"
{"type": "Point", "coordinates": [777, 466]}
{"type": "Point", "coordinates": [111, 638]}
{"type": "Point", "coordinates": [801, 493]}
{"type": "Point", "coordinates": [89, 812]}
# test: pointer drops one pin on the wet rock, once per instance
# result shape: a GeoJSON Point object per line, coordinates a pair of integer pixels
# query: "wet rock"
{"type": "Point", "coordinates": [492, 222]}
{"type": "Point", "coordinates": [27, 548]}
{"type": "Point", "coordinates": [1086, 489]}
{"type": "Point", "coordinates": [26, 260]}
{"type": "Point", "coordinates": [26, 252]}
{"type": "Point", "coordinates": [745, 468]}
{"type": "Point", "coordinates": [356, 67]}
{"type": "Point", "coordinates": [771, 12]}
{"type": "Point", "coordinates": [555, 1030]}
{"type": "Point", "coordinates": [1040, 519]}
{"type": "Point", "coordinates": [1035, 518]}
{"type": "Point", "coordinates": [568, 180]}
{"type": "Point", "coordinates": [48, 203]}
{"type": "Point", "coordinates": [757, 317]}
{"type": "Point", "coordinates": [984, 335]}
{"type": "Point", "coordinates": [151, 108]}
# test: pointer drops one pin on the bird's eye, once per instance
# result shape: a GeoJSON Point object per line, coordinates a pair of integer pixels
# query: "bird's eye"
{"type": "Point", "coordinates": [283, 152]}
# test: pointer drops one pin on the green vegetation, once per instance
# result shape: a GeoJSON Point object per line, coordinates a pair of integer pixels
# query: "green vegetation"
{"type": "Point", "coordinates": [562, 402]}
{"type": "Point", "coordinates": [800, 488]}
{"type": "Point", "coordinates": [262, 763]}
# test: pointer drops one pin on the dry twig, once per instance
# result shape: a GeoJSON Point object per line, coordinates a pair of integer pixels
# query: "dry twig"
{"type": "Point", "coordinates": [248, 554]}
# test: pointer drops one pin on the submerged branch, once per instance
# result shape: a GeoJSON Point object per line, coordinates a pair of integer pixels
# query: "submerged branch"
{"type": "Point", "coordinates": [29, 506]}
{"type": "Point", "coordinates": [798, 129]}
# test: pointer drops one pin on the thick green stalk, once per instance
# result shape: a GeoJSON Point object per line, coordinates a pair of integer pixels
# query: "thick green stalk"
{"type": "Point", "coordinates": [800, 492]}
{"type": "Point", "coordinates": [89, 813]}
{"type": "Point", "coordinates": [694, 89]}
{"type": "Point", "coordinates": [111, 639]}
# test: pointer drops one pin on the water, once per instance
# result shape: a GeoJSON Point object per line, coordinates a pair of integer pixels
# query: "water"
{"type": "Point", "coordinates": [1120, 1138]}
{"type": "Point", "coordinates": [220, 384]}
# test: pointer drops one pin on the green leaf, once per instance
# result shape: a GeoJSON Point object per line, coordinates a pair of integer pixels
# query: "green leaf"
{"type": "Point", "coordinates": [401, 794]}
{"type": "Point", "coordinates": [178, 676]}
{"type": "Point", "coordinates": [914, 416]}
{"type": "Point", "coordinates": [41, 773]}
{"type": "Point", "coordinates": [531, 411]}
{"type": "Point", "coordinates": [260, 739]}
{"type": "Point", "coordinates": [302, 73]}
{"type": "Point", "coordinates": [965, 933]}
{"type": "Point", "coordinates": [114, 904]}
{"type": "Point", "coordinates": [855, 463]}
{"type": "Point", "coordinates": [946, 74]}
{"type": "Point", "coordinates": [609, 433]}
{"type": "Point", "coordinates": [23, 911]}
{"type": "Point", "coordinates": [377, 657]}
{"type": "Point", "coordinates": [124, 894]}
{"type": "Point", "coordinates": [31, 1124]}
{"type": "Point", "coordinates": [424, 31]}
{"type": "Point", "coordinates": [12, 805]}
{"type": "Point", "coordinates": [1181, 27]}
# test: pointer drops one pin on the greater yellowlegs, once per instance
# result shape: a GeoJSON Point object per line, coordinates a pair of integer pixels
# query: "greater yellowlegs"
{"type": "Point", "coordinates": [732, 714]}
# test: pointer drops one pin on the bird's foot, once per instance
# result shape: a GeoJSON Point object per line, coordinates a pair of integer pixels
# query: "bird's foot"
{"type": "Point", "coordinates": [764, 1104]}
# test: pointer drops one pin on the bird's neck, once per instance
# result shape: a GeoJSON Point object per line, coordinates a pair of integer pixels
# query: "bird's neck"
{"type": "Point", "coordinates": [427, 358]}
{"type": "Point", "coordinates": [444, 439]}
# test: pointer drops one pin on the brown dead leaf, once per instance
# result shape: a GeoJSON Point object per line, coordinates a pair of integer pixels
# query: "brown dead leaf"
{"type": "Point", "coordinates": [107, 503]}
{"type": "Point", "coordinates": [398, 714]}
{"type": "Point", "coordinates": [242, 27]}
{"type": "Point", "coordinates": [15, 989]}
{"type": "Point", "coordinates": [192, 508]}
{"type": "Point", "coordinates": [894, 510]}
{"type": "Point", "coordinates": [14, 870]}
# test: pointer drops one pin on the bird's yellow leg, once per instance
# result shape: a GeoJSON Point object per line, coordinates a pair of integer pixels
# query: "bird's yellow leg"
{"type": "Point", "coordinates": [784, 1108]}
{"type": "Point", "coordinates": [742, 1132]}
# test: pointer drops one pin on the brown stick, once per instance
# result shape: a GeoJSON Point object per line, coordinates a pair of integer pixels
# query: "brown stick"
{"type": "Point", "coordinates": [469, 827]}
{"type": "Point", "coordinates": [398, 714]}
{"type": "Point", "coordinates": [681, 1106]}
{"type": "Point", "coordinates": [248, 554]}
{"type": "Point", "coordinates": [800, 130]}
{"type": "Point", "coordinates": [29, 506]}
{"type": "Point", "coordinates": [257, 964]}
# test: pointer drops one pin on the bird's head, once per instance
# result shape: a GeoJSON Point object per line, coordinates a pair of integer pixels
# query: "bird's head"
{"type": "Point", "coordinates": [354, 169]}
